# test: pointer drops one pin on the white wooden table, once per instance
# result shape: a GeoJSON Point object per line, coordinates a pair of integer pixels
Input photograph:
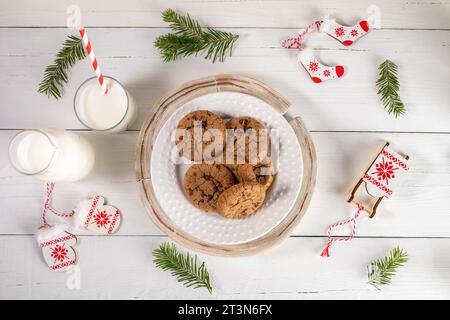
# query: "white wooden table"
{"type": "Point", "coordinates": [344, 116]}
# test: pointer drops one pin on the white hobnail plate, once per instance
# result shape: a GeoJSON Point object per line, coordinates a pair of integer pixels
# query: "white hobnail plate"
{"type": "Point", "coordinates": [167, 177]}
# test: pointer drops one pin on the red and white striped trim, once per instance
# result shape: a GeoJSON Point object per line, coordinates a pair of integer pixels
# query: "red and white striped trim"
{"type": "Point", "coordinates": [394, 159]}
{"type": "Point", "coordinates": [47, 207]}
{"type": "Point", "coordinates": [297, 41]}
{"type": "Point", "coordinates": [94, 61]}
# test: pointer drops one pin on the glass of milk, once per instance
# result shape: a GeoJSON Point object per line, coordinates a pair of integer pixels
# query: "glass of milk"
{"type": "Point", "coordinates": [114, 111]}
{"type": "Point", "coordinates": [51, 154]}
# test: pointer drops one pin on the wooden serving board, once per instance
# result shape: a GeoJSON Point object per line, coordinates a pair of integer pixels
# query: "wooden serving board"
{"type": "Point", "coordinates": [166, 106]}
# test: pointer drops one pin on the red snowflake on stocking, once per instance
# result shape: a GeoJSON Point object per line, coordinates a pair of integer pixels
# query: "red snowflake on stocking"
{"type": "Point", "coordinates": [354, 32]}
{"type": "Point", "coordinates": [313, 66]}
{"type": "Point", "coordinates": [101, 219]}
{"type": "Point", "coordinates": [326, 73]}
{"type": "Point", "coordinates": [59, 253]}
{"type": "Point", "coordinates": [384, 170]}
{"type": "Point", "coordinates": [339, 31]}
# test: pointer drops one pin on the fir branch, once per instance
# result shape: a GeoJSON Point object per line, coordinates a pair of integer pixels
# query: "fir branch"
{"type": "Point", "coordinates": [55, 75]}
{"type": "Point", "coordinates": [388, 87]}
{"type": "Point", "coordinates": [218, 44]}
{"type": "Point", "coordinates": [189, 38]}
{"type": "Point", "coordinates": [184, 267]}
{"type": "Point", "coordinates": [182, 25]}
{"type": "Point", "coordinates": [173, 46]}
{"type": "Point", "coordinates": [381, 270]}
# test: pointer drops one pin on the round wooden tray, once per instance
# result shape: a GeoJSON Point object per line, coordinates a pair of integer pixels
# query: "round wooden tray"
{"type": "Point", "coordinates": [165, 107]}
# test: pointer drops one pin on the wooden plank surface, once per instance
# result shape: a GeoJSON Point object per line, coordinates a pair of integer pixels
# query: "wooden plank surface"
{"type": "Point", "coordinates": [427, 14]}
{"type": "Point", "coordinates": [345, 116]}
{"type": "Point", "coordinates": [420, 209]}
{"type": "Point", "coordinates": [350, 103]}
{"type": "Point", "coordinates": [121, 267]}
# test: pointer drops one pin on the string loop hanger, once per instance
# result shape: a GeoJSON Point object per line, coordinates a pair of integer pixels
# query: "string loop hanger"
{"type": "Point", "coordinates": [47, 206]}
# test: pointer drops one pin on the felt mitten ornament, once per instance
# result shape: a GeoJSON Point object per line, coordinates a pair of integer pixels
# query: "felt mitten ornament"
{"type": "Point", "coordinates": [95, 216]}
{"type": "Point", "coordinates": [57, 247]}
{"type": "Point", "coordinates": [57, 244]}
{"type": "Point", "coordinates": [344, 34]}
{"type": "Point", "coordinates": [318, 71]}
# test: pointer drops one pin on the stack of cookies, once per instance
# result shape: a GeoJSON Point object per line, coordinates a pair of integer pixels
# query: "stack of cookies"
{"type": "Point", "coordinates": [234, 186]}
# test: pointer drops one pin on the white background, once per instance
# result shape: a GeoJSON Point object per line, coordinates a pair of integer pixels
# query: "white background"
{"type": "Point", "coordinates": [345, 117]}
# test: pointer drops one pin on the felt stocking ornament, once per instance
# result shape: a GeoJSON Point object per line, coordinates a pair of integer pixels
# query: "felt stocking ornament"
{"type": "Point", "coordinates": [318, 71]}
{"type": "Point", "coordinates": [346, 35]}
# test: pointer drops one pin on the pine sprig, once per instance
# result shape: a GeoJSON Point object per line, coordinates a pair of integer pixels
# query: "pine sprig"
{"type": "Point", "coordinates": [388, 87]}
{"type": "Point", "coordinates": [189, 38]}
{"type": "Point", "coordinates": [381, 270]}
{"type": "Point", "coordinates": [173, 46]}
{"type": "Point", "coordinates": [218, 43]}
{"type": "Point", "coordinates": [182, 266]}
{"type": "Point", "coordinates": [55, 75]}
{"type": "Point", "coordinates": [182, 25]}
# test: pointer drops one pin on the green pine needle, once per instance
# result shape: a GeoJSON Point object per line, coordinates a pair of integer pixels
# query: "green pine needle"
{"type": "Point", "coordinates": [388, 87]}
{"type": "Point", "coordinates": [182, 25]}
{"type": "Point", "coordinates": [173, 46]}
{"type": "Point", "coordinates": [55, 75]}
{"type": "Point", "coordinates": [182, 266]}
{"type": "Point", "coordinates": [381, 271]}
{"type": "Point", "coordinates": [190, 39]}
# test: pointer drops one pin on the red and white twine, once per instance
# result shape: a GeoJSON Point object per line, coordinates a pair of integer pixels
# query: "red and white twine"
{"type": "Point", "coordinates": [331, 239]}
{"type": "Point", "coordinates": [94, 61]}
{"type": "Point", "coordinates": [297, 41]}
{"type": "Point", "coordinates": [46, 207]}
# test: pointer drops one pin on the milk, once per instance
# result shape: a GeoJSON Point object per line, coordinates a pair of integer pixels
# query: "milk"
{"type": "Point", "coordinates": [113, 111]}
{"type": "Point", "coordinates": [51, 154]}
{"type": "Point", "coordinates": [34, 152]}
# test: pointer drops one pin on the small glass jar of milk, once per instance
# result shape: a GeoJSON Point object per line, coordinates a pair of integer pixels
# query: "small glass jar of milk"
{"type": "Point", "coordinates": [51, 154]}
{"type": "Point", "coordinates": [114, 111]}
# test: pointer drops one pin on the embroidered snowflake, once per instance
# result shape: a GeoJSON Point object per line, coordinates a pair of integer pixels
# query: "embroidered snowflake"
{"type": "Point", "coordinates": [313, 66]}
{"type": "Point", "coordinates": [384, 170]}
{"type": "Point", "coordinates": [354, 32]}
{"type": "Point", "coordinates": [101, 219]}
{"type": "Point", "coordinates": [326, 73]}
{"type": "Point", "coordinates": [59, 253]}
{"type": "Point", "coordinates": [339, 31]}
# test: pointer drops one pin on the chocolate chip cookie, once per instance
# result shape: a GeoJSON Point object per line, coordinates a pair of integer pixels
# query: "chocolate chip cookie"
{"type": "Point", "coordinates": [261, 173]}
{"type": "Point", "coordinates": [200, 146]}
{"type": "Point", "coordinates": [203, 183]}
{"type": "Point", "coordinates": [241, 200]}
{"type": "Point", "coordinates": [250, 141]}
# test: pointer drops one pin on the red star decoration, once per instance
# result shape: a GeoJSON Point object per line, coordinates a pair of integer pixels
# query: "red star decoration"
{"type": "Point", "coordinates": [101, 219]}
{"type": "Point", "coordinates": [339, 31]}
{"type": "Point", "coordinates": [327, 73]}
{"type": "Point", "coordinates": [59, 253]}
{"type": "Point", "coordinates": [354, 32]}
{"type": "Point", "coordinates": [384, 170]}
{"type": "Point", "coordinates": [313, 66]}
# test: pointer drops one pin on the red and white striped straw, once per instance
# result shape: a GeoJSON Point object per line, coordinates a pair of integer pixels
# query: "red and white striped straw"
{"type": "Point", "coordinates": [94, 61]}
